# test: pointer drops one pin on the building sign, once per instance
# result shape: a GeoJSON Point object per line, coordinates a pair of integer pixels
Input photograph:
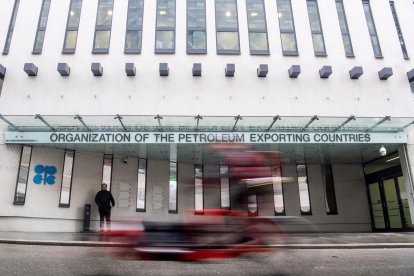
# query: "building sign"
{"type": "Point", "coordinates": [202, 137]}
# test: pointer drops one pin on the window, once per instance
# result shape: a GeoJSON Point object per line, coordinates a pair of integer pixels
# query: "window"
{"type": "Point", "coordinates": [22, 176]}
{"type": "Point", "coordinates": [287, 28]}
{"type": "Point", "coordinates": [397, 26]}
{"type": "Point", "coordinates": [11, 27]}
{"type": "Point", "coordinates": [371, 29]}
{"type": "Point", "coordinates": [224, 187]}
{"type": "Point", "coordinates": [305, 207]}
{"type": "Point", "coordinates": [72, 26]}
{"type": "Point", "coordinates": [172, 199]}
{"type": "Point", "coordinates": [256, 17]}
{"type": "Point", "coordinates": [346, 38]}
{"type": "Point", "coordinates": [103, 26]}
{"type": "Point", "coordinates": [198, 186]}
{"type": "Point", "coordinates": [329, 188]}
{"type": "Point", "coordinates": [196, 27]}
{"type": "Point", "coordinates": [133, 37]}
{"type": "Point", "coordinates": [142, 185]}
{"type": "Point", "coordinates": [227, 27]}
{"type": "Point", "coordinates": [66, 188]}
{"type": "Point", "coordinates": [165, 27]}
{"type": "Point", "coordinates": [279, 204]}
{"type": "Point", "coordinates": [107, 171]}
{"type": "Point", "coordinates": [41, 27]}
{"type": "Point", "coordinates": [316, 28]}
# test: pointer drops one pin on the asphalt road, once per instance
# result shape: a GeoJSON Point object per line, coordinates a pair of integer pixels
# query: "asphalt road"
{"type": "Point", "coordinates": [64, 260]}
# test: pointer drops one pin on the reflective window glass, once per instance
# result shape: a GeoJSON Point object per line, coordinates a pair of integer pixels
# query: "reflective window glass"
{"type": "Point", "coordinates": [41, 27]}
{"type": "Point", "coordinates": [107, 171]}
{"type": "Point", "coordinates": [346, 38]}
{"type": "Point", "coordinates": [279, 204]}
{"type": "Point", "coordinates": [66, 187]}
{"type": "Point", "coordinates": [133, 35]}
{"type": "Point", "coordinates": [316, 28]}
{"type": "Point", "coordinates": [23, 175]}
{"type": "Point", "coordinates": [302, 173]}
{"type": "Point", "coordinates": [371, 28]}
{"type": "Point", "coordinates": [103, 26]}
{"type": "Point", "coordinates": [142, 185]}
{"type": "Point", "coordinates": [227, 27]}
{"type": "Point", "coordinates": [72, 26]}
{"type": "Point", "coordinates": [224, 187]}
{"type": "Point", "coordinates": [287, 28]}
{"type": "Point", "coordinates": [398, 28]}
{"type": "Point", "coordinates": [198, 186]}
{"type": "Point", "coordinates": [256, 18]}
{"type": "Point", "coordinates": [11, 27]}
{"type": "Point", "coordinates": [196, 27]}
{"type": "Point", "coordinates": [172, 195]}
{"type": "Point", "coordinates": [165, 27]}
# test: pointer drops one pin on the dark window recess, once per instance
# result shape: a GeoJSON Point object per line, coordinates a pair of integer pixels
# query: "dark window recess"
{"type": "Point", "coordinates": [329, 189]}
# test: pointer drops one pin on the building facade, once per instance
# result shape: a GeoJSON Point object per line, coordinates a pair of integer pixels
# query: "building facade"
{"type": "Point", "coordinates": [142, 94]}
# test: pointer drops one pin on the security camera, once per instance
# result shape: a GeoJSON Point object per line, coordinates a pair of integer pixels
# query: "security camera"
{"type": "Point", "coordinates": [125, 161]}
{"type": "Point", "coordinates": [383, 151]}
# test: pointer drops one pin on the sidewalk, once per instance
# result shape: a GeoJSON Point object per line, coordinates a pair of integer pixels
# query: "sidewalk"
{"type": "Point", "coordinates": [293, 241]}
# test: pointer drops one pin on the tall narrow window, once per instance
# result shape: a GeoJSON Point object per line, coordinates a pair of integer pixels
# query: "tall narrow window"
{"type": "Point", "coordinates": [224, 187]}
{"type": "Point", "coordinates": [371, 29]}
{"type": "Point", "coordinates": [72, 26]}
{"type": "Point", "coordinates": [256, 17]}
{"type": "Point", "coordinates": [65, 190]}
{"type": "Point", "coordinates": [11, 27]}
{"type": "Point", "coordinates": [165, 27]}
{"type": "Point", "coordinates": [343, 23]}
{"type": "Point", "coordinates": [316, 28]}
{"type": "Point", "coordinates": [196, 27]}
{"type": "Point", "coordinates": [279, 204]}
{"type": "Point", "coordinates": [198, 186]}
{"type": "Point", "coordinates": [172, 198]}
{"type": "Point", "coordinates": [107, 171]}
{"type": "Point", "coordinates": [227, 27]}
{"type": "Point", "coordinates": [133, 37]}
{"type": "Point", "coordinates": [22, 176]}
{"type": "Point", "coordinates": [305, 207]}
{"type": "Point", "coordinates": [41, 27]}
{"type": "Point", "coordinates": [329, 187]}
{"type": "Point", "coordinates": [397, 26]}
{"type": "Point", "coordinates": [287, 28]}
{"type": "Point", "coordinates": [103, 26]}
{"type": "Point", "coordinates": [142, 185]}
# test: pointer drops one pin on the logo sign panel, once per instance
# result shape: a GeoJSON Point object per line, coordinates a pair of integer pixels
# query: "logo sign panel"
{"type": "Point", "coordinates": [45, 175]}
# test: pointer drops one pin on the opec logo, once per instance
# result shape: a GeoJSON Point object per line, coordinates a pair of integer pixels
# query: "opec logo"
{"type": "Point", "coordinates": [45, 174]}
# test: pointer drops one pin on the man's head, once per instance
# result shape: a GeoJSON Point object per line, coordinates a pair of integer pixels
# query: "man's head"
{"type": "Point", "coordinates": [104, 187]}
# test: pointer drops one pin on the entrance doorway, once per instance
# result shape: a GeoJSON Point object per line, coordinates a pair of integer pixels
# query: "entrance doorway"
{"type": "Point", "coordinates": [388, 200]}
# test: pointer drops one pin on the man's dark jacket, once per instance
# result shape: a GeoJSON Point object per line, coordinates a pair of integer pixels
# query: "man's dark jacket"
{"type": "Point", "coordinates": [104, 199]}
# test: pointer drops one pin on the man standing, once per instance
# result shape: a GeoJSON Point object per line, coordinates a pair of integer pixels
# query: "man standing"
{"type": "Point", "coordinates": [104, 199]}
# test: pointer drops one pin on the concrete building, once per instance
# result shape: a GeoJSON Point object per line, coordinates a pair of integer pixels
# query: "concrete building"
{"type": "Point", "coordinates": [138, 94]}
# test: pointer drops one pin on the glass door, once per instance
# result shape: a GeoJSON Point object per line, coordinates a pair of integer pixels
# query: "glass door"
{"type": "Point", "coordinates": [404, 202]}
{"type": "Point", "coordinates": [376, 205]}
{"type": "Point", "coordinates": [392, 204]}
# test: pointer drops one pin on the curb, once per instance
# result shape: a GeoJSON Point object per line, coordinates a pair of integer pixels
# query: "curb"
{"type": "Point", "coordinates": [278, 246]}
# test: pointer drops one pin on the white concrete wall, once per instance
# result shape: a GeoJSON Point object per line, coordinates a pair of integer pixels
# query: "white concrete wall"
{"type": "Point", "coordinates": [211, 94]}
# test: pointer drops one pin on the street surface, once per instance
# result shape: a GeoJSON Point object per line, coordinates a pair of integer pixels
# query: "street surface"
{"type": "Point", "coordinates": [66, 260]}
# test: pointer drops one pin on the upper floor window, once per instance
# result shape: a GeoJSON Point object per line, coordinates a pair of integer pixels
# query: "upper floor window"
{"type": "Point", "coordinates": [316, 28]}
{"type": "Point", "coordinates": [165, 27]}
{"type": "Point", "coordinates": [133, 37]}
{"type": "Point", "coordinates": [11, 27]}
{"type": "Point", "coordinates": [287, 28]}
{"type": "Point", "coordinates": [103, 26]}
{"type": "Point", "coordinates": [41, 27]}
{"type": "Point", "coordinates": [397, 26]}
{"type": "Point", "coordinates": [72, 26]}
{"type": "Point", "coordinates": [227, 27]}
{"type": "Point", "coordinates": [346, 37]}
{"type": "Point", "coordinates": [196, 27]}
{"type": "Point", "coordinates": [371, 28]}
{"type": "Point", "coordinates": [256, 18]}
